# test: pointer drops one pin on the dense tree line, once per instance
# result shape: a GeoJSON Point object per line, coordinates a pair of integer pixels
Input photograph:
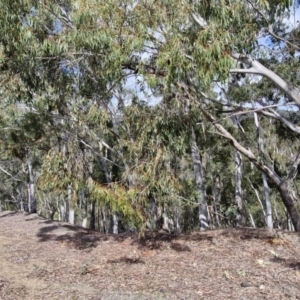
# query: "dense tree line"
{"type": "Point", "coordinates": [83, 141]}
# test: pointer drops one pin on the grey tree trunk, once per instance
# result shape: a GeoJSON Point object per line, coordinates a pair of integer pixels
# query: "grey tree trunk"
{"type": "Point", "coordinates": [238, 194]}
{"type": "Point", "coordinates": [115, 223]}
{"type": "Point", "coordinates": [104, 222]}
{"type": "Point", "coordinates": [200, 188]}
{"type": "Point", "coordinates": [20, 198]}
{"type": "Point", "coordinates": [93, 215]}
{"type": "Point", "coordinates": [67, 209]}
{"type": "Point", "coordinates": [153, 214]}
{"type": "Point", "coordinates": [71, 214]}
{"type": "Point", "coordinates": [165, 219]}
{"type": "Point", "coordinates": [59, 210]}
{"type": "Point", "coordinates": [115, 217]}
{"type": "Point", "coordinates": [238, 188]}
{"type": "Point", "coordinates": [267, 206]}
{"type": "Point", "coordinates": [85, 208]}
{"type": "Point", "coordinates": [62, 211]}
{"type": "Point", "coordinates": [176, 216]}
{"type": "Point", "coordinates": [31, 188]}
{"type": "Point", "coordinates": [216, 197]}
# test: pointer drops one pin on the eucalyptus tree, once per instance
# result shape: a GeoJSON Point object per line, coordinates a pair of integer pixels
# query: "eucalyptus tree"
{"type": "Point", "coordinates": [68, 55]}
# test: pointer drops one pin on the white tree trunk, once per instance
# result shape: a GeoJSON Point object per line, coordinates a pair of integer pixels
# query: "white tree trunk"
{"type": "Point", "coordinates": [238, 188]}
{"type": "Point", "coordinates": [165, 220]}
{"type": "Point", "coordinates": [176, 216]}
{"type": "Point", "coordinates": [85, 208]}
{"type": "Point", "coordinates": [71, 213]}
{"type": "Point", "coordinates": [200, 188]}
{"type": "Point", "coordinates": [268, 206]}
{"type": "Point", "coordinates": [62, 212]}
{"type": "Point", "coordinates": [115, 223]}
{"type": "Point", "coordinates": [268, 209]}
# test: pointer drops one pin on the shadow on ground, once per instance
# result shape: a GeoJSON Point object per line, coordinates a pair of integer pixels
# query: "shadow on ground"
{"type": "Point", "coordinates": [9, 214]}
{"type": "Point", "coordinates": [82, 238]}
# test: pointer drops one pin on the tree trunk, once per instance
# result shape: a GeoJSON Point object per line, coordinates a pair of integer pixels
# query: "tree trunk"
{"type": "Point", "coordinates": [85, 208]}
{"type": "Point", "coordinates": [252, 219]}
{"type": "Point", "coordinates": [115, 217]}
{"type": "Point", "coordinates": [67, 209]}
{"type": "Point", "coordinates": [238, 188]}
{"type": "Point", "coordinates": [200, 190]}
{"type": "Point", "coordinates": [71, 214]}
{"type": "Point", "coordinates": [216, 193]}
{"type": "Point", "coordinates": [267, 206]}
{"type": "Point", "coordinates": [31, 188]}
{"type": "Point", "coordinates": [288, 202]}
{"type": "Point", "coordinates": [115, 224]}
{"type": "Point", "coordinates": [20, 199]}
{"type": "Point", "coordinates": [93, 216]}
{"type": "Point", "coordinates": [176, 216]}
{"type": "Point", "coordinates": [165, 219]}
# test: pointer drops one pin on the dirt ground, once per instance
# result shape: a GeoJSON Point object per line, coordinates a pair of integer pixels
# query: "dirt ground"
{"type": "Point", "coordinates": [42, 259]}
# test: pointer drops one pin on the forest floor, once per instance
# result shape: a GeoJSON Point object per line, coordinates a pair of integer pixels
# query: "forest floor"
{"type": "Point", "coordinates": [42, 259]}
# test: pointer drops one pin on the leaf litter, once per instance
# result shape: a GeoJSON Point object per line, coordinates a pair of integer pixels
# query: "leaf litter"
{"type": "Point", "coordinates": [42, 259]}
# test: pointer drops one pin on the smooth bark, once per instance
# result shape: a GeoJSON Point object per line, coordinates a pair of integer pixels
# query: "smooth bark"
{"type": "Point", "coordinates": [200, 189]}
{"type": "Point", "coordinates": [238, 188]}
{"type": "Point", "coordinates": [71, 215]}
{"type": "Point", "coordinates": [85, 208]}
{"type": "Point", "coordinates": [267, 206]}
{"type": "Point", "coordinates": [257, 68]}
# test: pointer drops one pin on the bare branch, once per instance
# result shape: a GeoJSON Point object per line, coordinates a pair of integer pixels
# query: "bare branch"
{"type": "Point", "coordinates": [11, 176]}
{"type": "Point", "coordinates": [257, 68]}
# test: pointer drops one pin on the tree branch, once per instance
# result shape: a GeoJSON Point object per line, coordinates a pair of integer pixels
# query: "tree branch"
{"type": "Point", "coordinates": [294, 168]}
{"type": "Point", "coordinates": [270, 173]}
{"type": "Point", "coordinates": [11, 176]}
{"type": "Point", "coordinates": [277, 116]}
{"type": "Point", "coordinates": [257, 68]}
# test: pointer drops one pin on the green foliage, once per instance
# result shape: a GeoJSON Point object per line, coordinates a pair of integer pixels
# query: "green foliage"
{"type": "Point", "coordinates": [65, 64]}
{"type": "Point", "coordinates": [120, 200]}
